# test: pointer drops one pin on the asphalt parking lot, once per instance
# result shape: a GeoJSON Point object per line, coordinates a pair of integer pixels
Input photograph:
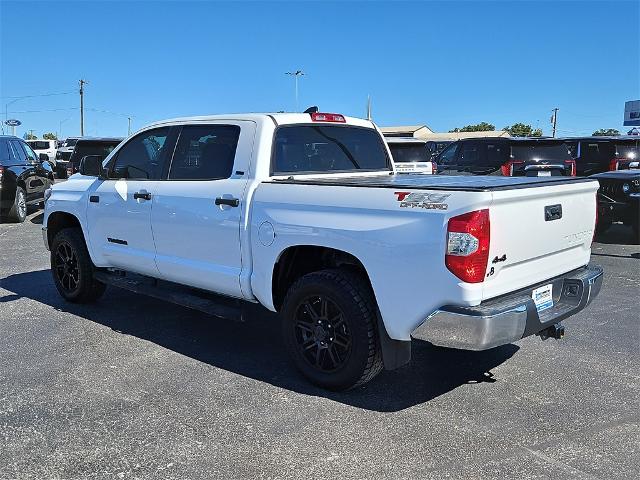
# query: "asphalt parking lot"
{"type": "Point", "coordinates": [132, 387]}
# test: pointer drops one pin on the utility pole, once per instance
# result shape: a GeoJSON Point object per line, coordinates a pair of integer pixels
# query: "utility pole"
{"type": "Point", "coordinates": [82, 83]}
{"type": "Point", "coordinates": [129, 129]}
{"type": "Point", "coordinates": [296, 74]}
{"type": "Point", "coordinates": [554, 120]}
{"type": "Point", "coordinates": [369, 107]}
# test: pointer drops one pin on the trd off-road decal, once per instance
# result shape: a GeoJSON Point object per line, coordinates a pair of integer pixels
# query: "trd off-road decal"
{"type": "Point", "coordinates": [429, 201]}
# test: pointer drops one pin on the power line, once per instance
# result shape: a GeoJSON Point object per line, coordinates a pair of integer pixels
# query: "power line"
{"type": "Point", "coordinates": [50, 110]}
{"type": "Point", "coordinates": [41, 95]}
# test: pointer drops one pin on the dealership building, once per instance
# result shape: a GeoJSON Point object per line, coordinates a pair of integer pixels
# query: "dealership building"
{"type": "Point", "coordinates": [425, 133]}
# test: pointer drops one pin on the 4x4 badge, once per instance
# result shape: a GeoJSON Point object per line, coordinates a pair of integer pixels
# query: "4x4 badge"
{"type": "Point", "coordinates": [429, 201]}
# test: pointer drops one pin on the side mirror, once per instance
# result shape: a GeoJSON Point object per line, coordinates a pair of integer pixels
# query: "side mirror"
{"type": "Point", "coordinates": [43, 157]}
{"type": "Point", "coordinates": [91, 165]}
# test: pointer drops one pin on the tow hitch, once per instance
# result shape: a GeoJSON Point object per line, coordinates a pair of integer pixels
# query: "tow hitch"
{"type": "Point", "coordinates": [554, 331]}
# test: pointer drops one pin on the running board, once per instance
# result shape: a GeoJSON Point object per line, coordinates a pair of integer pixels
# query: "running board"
{"type": "Point", "coordinates": [206, 302]}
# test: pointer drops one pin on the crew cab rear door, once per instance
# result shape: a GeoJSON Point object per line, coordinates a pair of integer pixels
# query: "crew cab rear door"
{"type": "Point", "coordinates": [198, 211]}
{"type": "Point", "coordinates": [119, 210]}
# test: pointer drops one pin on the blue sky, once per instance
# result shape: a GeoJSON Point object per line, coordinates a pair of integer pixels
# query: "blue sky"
{"type": "Point", "coordinates": [446, 64]}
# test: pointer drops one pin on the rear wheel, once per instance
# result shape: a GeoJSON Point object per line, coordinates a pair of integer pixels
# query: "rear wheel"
{"type": "Point", "coordinates": [329, 327]}
{"type": "Point", "coordinates": [18, 211]}
{"type": "Point", "coordinates": [72, 268]}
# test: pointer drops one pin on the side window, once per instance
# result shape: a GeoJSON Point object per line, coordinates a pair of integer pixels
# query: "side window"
{"type": "Point", "coordinates": [18, 153]}
{"type": "Point", "coordinates": [448, 155]}
{"type": "Point", "coordinates": [142, 157]}
{"type": "Point", "coordinates": [472, 154]}
{"type": "Point", "coordinates": [205, 152]}
{"type": "Point", "coordinates": [497, 153]}
{"type": "Point", "coordinates": [31, 155]}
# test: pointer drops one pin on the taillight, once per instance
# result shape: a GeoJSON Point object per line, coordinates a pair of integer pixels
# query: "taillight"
{"type": "Point", "coordinates": [614, 164]}
{"type": "Point", "coordinates": [468, 238]}
{"type": "Point", "coordinates": [327, 117]}
{"type": "Point", "coordinates": [572, 167]}
{"type": "Point", "coordinates": [434, 168]}
{"type": "Point", "coordinates": [507, 167]}
{"type": "Point", "coordinates": [1, 173]}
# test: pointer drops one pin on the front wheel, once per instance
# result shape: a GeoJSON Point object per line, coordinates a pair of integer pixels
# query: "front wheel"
{"type": "Point", "coordinates": [329, 328]}
{"type": "Point", "coordinates": [18, 212]}
{"type": "Point", "coordinates": [72, 268]}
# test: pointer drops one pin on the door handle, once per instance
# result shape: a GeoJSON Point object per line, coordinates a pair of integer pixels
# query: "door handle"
{"type": "Point", "coordinates": [232, 202]}
{"type": "Point", "coordinates": [142, 195]}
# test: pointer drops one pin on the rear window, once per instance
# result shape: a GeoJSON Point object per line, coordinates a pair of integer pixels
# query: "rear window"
{"type": "Point", "coordinates": [328, 148]}
{"type": "Point", "coordinates": [540, 151]}
{"type": "Point", "coordinates": [409, 152]}
{"type": "Point", "coordinates": [92, 148]}
{"type": "Point", "coordinates": [70, 142]}
{"type": "Point", "coordinates": [38, 145]}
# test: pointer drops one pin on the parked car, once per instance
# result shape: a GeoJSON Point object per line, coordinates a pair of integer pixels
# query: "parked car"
{"type": "Point", "coordinates": [48, 147]}
{"type": "Point", "coordinates": [410, 155]}
{"type": "Point", "coordinates": [101, 146]}
{"type": "Point", "coordinates": [600, 154]}
{"type": "Point", "coordinates": [627, 153]}
{"type": "Point", "coordinates": [435, 147]}
{"type": "Point", "coordinates": [63, 155]}
{"type": "Point", "coordinates": [304, 214]}
{"type": "Point", "coordinates": [619, 200]}
{"type": "Point", "coordinates": [24, 177]}
{"type": "Point", "coordinates": [511, 157]}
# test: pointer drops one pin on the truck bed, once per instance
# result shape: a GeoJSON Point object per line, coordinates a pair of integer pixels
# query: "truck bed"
{"type": "Point", "coordinates": [435, 182]}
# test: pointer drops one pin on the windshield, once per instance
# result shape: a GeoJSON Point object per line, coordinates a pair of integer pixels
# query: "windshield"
{"type": "Point", "coordinates": [92, 148]}
{"type": "Point", "coordinates": [38, 144]}
{"type": "Point", "coordinates": [409, 152]}
{"type": "Point", "coordinates": [70, 142]}
{"type": "Point", "coordinates": [326, 148]}
{"type": "Point", "coordinates": [540, 151]}
{"type": "Point", "coordinates": [628, 150]}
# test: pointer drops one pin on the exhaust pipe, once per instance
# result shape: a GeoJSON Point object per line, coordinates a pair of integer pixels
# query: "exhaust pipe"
{"type": "Point", "coordinates": [554, 331]}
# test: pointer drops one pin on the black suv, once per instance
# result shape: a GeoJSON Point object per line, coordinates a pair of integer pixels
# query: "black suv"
{"type": "Point", "coordinates": [24, 176]}
{"type": "Point", "coordinates": [507, 156]}
{"type": "Point", "coordinates": [86, 146]}
{"type": "Point", "coordinates": [602, 154]}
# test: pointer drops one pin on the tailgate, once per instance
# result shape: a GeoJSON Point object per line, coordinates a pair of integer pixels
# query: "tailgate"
{"type": "Point", "coordinates": [539, 233]}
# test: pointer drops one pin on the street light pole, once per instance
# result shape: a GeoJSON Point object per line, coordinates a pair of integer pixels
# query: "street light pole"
{"type": "Point", "coordinates": [296, 74]}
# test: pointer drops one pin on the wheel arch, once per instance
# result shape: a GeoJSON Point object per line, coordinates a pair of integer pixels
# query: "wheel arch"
{"type": "Point", "coordinates": [59, 220]}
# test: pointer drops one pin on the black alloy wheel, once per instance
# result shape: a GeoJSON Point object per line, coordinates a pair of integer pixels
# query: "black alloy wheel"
{"type": "Point", "coordinates": [322, 335]}
{"type": "Point", "coordinates": [66, 267]}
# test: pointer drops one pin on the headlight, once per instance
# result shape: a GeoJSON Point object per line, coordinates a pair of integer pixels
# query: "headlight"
{"type": "Point", "coordinates": [47, 194]}
{"type": "Point", "coordinates": [625, 187]}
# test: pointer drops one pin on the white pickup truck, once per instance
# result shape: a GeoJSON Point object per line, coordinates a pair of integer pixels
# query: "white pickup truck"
{"type": "Point", "coordinates": [304, 214]}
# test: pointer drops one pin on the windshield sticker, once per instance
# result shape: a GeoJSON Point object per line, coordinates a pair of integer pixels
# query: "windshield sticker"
{"type": "Point", "coordinates": [428, 201]}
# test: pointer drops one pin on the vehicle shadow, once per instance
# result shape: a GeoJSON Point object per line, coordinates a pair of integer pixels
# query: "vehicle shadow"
{"type": "Point", "coordinates": [37, 219]}
{"type": "Point", "coordinates": [253, 348]}
{"type": "Point", "coordinates": [616, 234]}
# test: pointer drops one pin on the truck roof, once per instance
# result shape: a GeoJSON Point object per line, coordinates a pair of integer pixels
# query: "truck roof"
{"type": "Point", "coordinates": [277, 118]}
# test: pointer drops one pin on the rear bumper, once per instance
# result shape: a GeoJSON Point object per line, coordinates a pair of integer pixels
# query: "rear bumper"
{"type": "Point", "coordinates": [619, 211]}
{"type": "Point", "coordinates": [511, 317]}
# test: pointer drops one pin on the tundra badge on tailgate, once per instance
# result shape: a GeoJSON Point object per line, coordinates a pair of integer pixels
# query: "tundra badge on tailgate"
{"type": "Point", "coordinates": [429, 201]}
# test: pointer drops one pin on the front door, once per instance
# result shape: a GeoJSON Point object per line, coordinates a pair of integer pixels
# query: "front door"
{"type": "Point", "coordinates": [197, 213]}
{"type": "Point", "coordinates": [119, 208]}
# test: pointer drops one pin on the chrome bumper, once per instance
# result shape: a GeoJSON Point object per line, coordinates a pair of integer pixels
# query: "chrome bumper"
{"type": "Point", "coordinates": [45, 238]}
{"type": "Point", "coordinates": [511, 317]}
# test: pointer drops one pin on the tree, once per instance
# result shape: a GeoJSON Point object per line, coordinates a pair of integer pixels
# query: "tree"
{"type": "Point", "coordinates": [50, 136]}
{"type": "Point", "coordinates": [605, 132]}
{"type": "Point", "coordinates": [29, 136]}
{"type": "Point", "coordinates": [480, 127]}
{"type": "Point", "coordinates": [523, 130]}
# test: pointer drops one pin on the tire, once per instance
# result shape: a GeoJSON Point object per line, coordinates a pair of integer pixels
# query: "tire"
{"type": "Point", "coordinates": [72, 268]}
{"type": "Point", "coordinates": [18, 211]}
{"type": "Point", "coordinates": [61, 172]}
{"type": "Point", "coordinates": [329, 328]}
